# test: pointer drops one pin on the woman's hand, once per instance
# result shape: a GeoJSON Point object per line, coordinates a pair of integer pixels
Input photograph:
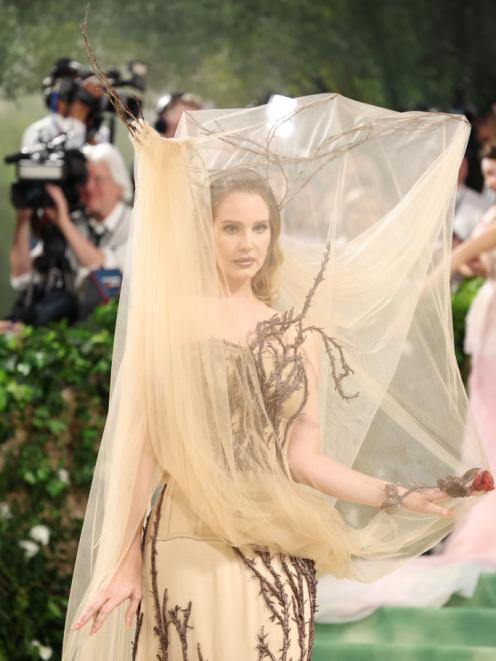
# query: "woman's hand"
{"type": "Point", "coordinates": [126, 584]}
{"type": "Point", "coordinates": [426, 501]}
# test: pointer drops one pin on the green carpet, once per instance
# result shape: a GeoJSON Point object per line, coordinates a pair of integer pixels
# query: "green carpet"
{"type": "Point", "coordinates": [464, 630]}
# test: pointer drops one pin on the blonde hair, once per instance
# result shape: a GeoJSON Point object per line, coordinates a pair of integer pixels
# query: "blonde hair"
{"type": "Point", "coordinates": [264, 283]}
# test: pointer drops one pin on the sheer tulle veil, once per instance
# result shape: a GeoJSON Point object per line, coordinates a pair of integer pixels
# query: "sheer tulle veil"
{"type": "Point", "coordinates": [366, 199]}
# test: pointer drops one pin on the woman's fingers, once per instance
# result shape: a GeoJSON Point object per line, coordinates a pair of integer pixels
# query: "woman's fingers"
{"type": "Point", "coordinates": [427, 503]}
{"type": "Point", "coordinates": [102, 606]}
{"type": "Point", "coordinates": [102, 614]}
{"type": "Point", "coordinates": [90, 612]}
{"type": "Point", "coordinates": [132, 608]}
{"type": "Point", "coordinates": [109, 606]}
{"type": "Point", "coordinates": [437, 495]}
{"type": "Point", "coordinates": [432, 508]}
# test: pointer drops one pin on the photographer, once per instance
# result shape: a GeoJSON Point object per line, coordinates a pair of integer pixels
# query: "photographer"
{"type": "Point", "coordinates": [93, 240]}
{"type": "Point", "coordinates": [71, 98]}
{"type": "Point", "coordinates": [170, 109]}
{"type": "Point", "coordinates": [106, 195]}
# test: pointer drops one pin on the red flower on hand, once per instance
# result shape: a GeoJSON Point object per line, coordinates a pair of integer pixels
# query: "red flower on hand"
{"type": "Point", "coordinates": [483, 481]}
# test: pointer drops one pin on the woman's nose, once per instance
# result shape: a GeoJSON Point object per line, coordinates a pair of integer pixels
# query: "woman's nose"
{"type": "Point", "coordinates": [245, 241]}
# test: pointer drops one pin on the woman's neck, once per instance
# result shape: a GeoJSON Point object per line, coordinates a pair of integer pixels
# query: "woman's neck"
{"type": "Point", "coordinates": [241, 290]}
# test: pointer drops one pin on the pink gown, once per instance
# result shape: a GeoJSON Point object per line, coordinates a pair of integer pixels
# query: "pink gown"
{"type": "Point", "coordinates": [475, 537]}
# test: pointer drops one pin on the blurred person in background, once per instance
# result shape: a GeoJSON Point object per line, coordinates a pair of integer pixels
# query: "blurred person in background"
{"type": "Point", "coordinates": [470, 205]}
{"type": "Point", "coordinates": [107, 195]}
{"type": "Point", "coordinates": [91, 240]}
{"type": "Point", "coordinates": [170, 109]}
{"type": "Point", "coordinates": [485, 128]}
{"type": "Point", "coordinates": [70, 100]}
{"type": "Point", "coordinates": [473, 539]}
{"type": "Point", "coordinates": [485, 134]}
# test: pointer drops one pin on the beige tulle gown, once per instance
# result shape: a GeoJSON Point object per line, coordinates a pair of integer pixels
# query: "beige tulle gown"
{"type": "Point", "coordinates": [204, 599]}
{"type": "Point", "coordinates": [363, 198]}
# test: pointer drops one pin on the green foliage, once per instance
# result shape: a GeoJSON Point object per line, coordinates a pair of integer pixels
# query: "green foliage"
{"type": "Point", "coordinates": [54, 384]}
{"type": "Point", "coordinates": [394, 53]}
{"type": "Point", "coordinates": [460, 303]}
{"type": "Point", "coordinates": [14, 118]}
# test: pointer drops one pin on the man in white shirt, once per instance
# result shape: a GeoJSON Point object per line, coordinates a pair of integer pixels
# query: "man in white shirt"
{"type": "Point", "coordinates": [46, 129]}
{"type": "Point", "coordinates": [99, 242]}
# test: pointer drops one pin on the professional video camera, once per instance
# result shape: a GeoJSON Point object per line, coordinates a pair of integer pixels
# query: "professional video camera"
{"type": "Point", "coordinates": [66, 83]}
{"type": "Point", "coordinates": [47, 163]}
{"type": "Point", "coordinates": [130, 88]}
{"type": "Point", "coordinates": [52, 296]}
{"type": "Point", "coordinates": [52, 291]}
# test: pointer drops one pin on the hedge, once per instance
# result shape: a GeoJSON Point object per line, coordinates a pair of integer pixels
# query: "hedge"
{"type": "Point", "coordinates": [54, 385]}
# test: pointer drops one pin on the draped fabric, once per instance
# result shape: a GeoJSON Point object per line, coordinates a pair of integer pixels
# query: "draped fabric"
{"type": "Point", "coordinates": [366, 199]}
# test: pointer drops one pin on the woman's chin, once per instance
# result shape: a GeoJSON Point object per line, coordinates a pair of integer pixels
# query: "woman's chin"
{"type": "Point", "coordinates": [239, 279]}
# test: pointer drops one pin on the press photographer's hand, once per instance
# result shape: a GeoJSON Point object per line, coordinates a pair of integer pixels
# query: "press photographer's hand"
{"type": "Point", "coordinates": [59, 214]}
{"type": "Point", "coordinates": [86, 253]}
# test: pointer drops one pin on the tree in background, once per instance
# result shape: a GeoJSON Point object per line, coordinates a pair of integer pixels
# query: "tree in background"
{"type": "Point", "coordinates": [395, 53]}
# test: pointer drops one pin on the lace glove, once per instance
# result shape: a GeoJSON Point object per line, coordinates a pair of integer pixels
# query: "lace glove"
{"type": "Point", "coordinates": [474, 481]}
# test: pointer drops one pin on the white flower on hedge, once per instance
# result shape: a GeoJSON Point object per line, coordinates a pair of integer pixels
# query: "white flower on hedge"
{"type": "Point", "coordinates": [44, 651]}
{"type": "Point", "coordinates": [30, 548]}
{"type": "Point", "coordinates": [5, 512]}
{"type": "Point", "coordinates": [63, 475]}
{"type": "Point", "coordinates": [40, 534]}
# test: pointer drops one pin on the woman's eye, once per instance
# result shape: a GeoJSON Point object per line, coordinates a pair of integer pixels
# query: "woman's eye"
{"type": "Point", "coordinates": [230, 229]}
{"type": "Point", "coordinates": [261, 227]}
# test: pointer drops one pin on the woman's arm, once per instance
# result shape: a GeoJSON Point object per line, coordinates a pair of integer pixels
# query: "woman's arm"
{"type": "Point", "coordinates": [310, 466]}
{"type": "Point", "coordinates": [126, 582]}
{"type": "Point", "coordinates": [474, 246]}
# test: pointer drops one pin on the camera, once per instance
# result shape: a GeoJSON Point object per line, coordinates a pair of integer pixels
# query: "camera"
{"type": "Point", "coordinates": [52, 159]}
{"type": "Point", "coordinates": [52, 296]}
{"type": "Point", "coordinates": [130, 89]}
{"type": "Point", "coordinates": [47, 163]}
{"type": "Point", "coordinates": [66, 83]}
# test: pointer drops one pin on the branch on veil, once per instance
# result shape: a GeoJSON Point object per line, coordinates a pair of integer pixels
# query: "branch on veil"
{"type": "Point", "coordinates": [271, 337]}
{"type": "Point", "coordinates": [131, 122]}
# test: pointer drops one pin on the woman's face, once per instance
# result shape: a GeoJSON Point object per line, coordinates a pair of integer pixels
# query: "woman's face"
{"type": "Point", "coordinates": [242, 235]}
{"type": "Point", "coordinates": [488, 167]}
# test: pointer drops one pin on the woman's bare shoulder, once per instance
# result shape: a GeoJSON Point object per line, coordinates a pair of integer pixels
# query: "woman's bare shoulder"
{"type": "Point", "coordinates": [265, 312]}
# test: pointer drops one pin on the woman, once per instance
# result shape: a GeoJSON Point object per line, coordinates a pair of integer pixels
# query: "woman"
{"type": "Point", "coordinates": [480, 339]}
{"type": "Point", "coordinates": [473, 539]}
{"type": "Point", "coordinates": [234, 404]}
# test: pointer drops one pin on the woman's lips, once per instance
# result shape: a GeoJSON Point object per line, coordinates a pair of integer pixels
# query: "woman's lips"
{"type": "Point", "coordinates": [244, 262]}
